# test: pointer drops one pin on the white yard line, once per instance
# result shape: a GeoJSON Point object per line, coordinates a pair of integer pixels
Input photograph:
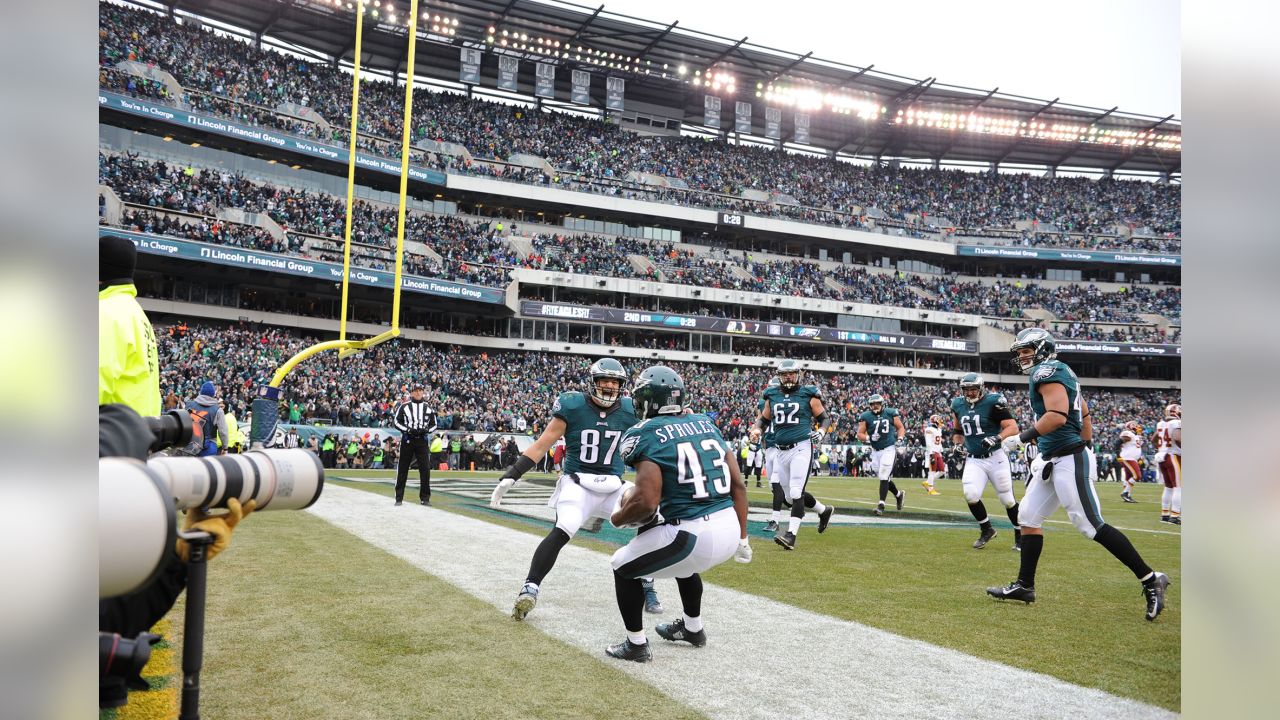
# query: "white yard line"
{"type": "Point", "coordinates": [764, 659]}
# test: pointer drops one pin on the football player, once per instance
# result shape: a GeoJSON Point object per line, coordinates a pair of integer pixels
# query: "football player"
{"type": "Point", "coordinates": [689, 504]}
{"type": "Point", "coordinates": [1130, 452]}
{"type": "Point", "coordinates": [985, 420]}
{"type": "Point", "coordinates": [770, 464]}
{"type": "Point", "coordinates": [882, 426]}
{"type": "Point", "coordinates": [935, 466]}
{"type": "Point", "coordinates": [792, 409]}
{"type": "Point", "coordinates": [1066, 471]}
{"type": "Point", "coordinates": [591, 483]}
{"type": "Point", "coordinates": [1169, 462]}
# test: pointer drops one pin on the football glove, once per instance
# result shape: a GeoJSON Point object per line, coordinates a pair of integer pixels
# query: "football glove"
{"type": "Point", "coordinates": [991, 443]}
{"type": "Point", "coordinates": [1011, 443]}
{"type": "Point", "coordinates": [815, 437]}
{"type": "Point", "coordinates": [499, 490]}
{"type": "Point", "coordinates": [219, 526]}
{"type": "Point", "coordinates": [743, 553]}
{"type": "Point", "coordinates": [654, 519]}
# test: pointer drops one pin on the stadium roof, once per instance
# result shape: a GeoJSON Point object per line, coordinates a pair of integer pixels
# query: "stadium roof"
{"type": "Point", "coordinates": [899, 111]}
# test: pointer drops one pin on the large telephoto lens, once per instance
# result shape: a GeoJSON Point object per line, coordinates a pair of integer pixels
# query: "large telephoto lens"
{"type": "Point", "coordinates": [170, 429]}
{"type": "Point", "coordinates": [137, 526]}
{"type": "Point", "coordinates": [277, 479]}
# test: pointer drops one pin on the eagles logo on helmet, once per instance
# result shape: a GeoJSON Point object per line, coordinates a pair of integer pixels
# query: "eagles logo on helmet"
{"type": "Point", "coordinates": [972, 387]}
{"type": "Point", "coordinates": [1039, 345]}
{"type": "Point", "coordinates": [659, 391]}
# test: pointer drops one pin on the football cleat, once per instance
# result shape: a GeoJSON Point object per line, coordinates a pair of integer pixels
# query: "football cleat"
{"type": "Point", "coordinates": [987, 534]}
{"type": "Point", "coordinates": [879, 511]}
{"type": "Point", "coordinates": [399, 503]}
{"type": "Point", "coordinates": [825, 517]}
{"type": "Point", "coordinates": [627, 650]}
{"type": "Point", "coordinates": [1127, 498]}
{"type": "Point", "coordinates": [593, 525]}
{"type": "Point", "coordinates": [771, 526]}
{"type": "Point", "coordinates": [675, 631]}
{"type": "Point", "coordinates": [934, 491]}
{"type": "Point", "coordinates": [425, 502]}
{"type": "Point", "coordinates": [901, 497]}
{"type": "Point", "coordinates": [1165, 519]}
{"type": "Point", "coordinates": [1154, 592]}
{"type": "Point", "coordinates": [787, 540]}
{"type": "Point", "coordinates": [525, 601]}
{"type": "Point", "coordinates": [1013, 591]}
{"type": "Point", "coordinates": [651, 604]}
{"type": "Point", "coordinates": [1175, 520]}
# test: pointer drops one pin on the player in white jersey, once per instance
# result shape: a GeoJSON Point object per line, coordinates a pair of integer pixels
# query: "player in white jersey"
{"type": "Point", "coordinates": [1169, 462]}
{"type": "Point", "coordinates": [934, 463]}
{"type": "Point", "coordinates": [1129, 454]}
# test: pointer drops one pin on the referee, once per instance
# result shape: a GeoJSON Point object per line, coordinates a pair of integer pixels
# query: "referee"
{"type": "Point", "coordinates": [415, 421]}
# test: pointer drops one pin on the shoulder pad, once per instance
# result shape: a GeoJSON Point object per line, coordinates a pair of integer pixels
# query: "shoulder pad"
{"type": "Point", "coordinates": [998, 399]}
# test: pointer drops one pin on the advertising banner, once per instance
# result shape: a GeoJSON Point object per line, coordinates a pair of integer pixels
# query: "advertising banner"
{"type": "Point", "coordinates": [1037, 253]}
{"type": "Point", "coordinates": [559, 311]}
{"type": "Point", "coordinates": [271, 262]}
{"type": "Point", "coordinates": [262, 137]}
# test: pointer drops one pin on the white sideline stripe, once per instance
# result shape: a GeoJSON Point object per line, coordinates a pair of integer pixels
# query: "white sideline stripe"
{"type": "Point", "coordinates": [755, 665]}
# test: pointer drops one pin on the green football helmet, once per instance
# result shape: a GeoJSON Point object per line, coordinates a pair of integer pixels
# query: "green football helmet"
{"type": "Point", "coordinates": [1041, 344]}
{"type": "Point", "coordinates": [972, 382]}
{"type": "Point", "coordinates": [789, 374]}
{"type": "Point", "coordinates": [607, 369]}
{"type": "Point", "coordinates": [875, 400]}
{"type": "Point", "coordinates": [658, 391]}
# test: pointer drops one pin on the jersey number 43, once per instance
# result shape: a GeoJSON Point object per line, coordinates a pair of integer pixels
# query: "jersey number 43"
{"type": "Point", "coordinates": [690, 470]}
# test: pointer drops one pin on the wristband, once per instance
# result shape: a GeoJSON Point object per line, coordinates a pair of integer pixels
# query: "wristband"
{"type": "Point", "coordinates": [521, 466]}
{"type": "Point", "coordinates": [1029, 434]}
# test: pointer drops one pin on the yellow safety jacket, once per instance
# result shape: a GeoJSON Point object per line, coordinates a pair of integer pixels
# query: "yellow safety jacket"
{"type": "Point", "coordinates": [128, 363]}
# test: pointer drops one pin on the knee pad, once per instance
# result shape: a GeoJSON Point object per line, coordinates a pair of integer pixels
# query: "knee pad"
{"type": "Point", "coordinates": [973, 496]}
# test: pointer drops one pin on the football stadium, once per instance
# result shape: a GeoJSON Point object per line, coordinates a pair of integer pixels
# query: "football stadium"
{"type": "Point", "coordinates": [597, 361]}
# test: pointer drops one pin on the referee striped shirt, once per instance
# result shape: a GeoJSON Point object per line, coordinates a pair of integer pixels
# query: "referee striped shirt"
{"type": "Point", "coordinates": [415, 416]}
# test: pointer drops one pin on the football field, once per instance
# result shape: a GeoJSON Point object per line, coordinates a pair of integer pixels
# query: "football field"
{"type": "Point", "coordinates": [360, 609]}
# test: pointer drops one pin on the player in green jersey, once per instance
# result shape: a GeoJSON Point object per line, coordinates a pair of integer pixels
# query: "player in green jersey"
{"type": "Point", "coordinates": [882, 427]}
{"type": "Point", "coordinates": [590, 485]}
{"type": "Point", "coordinates": [791, 410]}
{"type": "Point", "coordinates": [689, 504]}
{"type": "Point", "coordinates": [1065, 476]}
{"type": "Point", "coordinates": [984, 419]}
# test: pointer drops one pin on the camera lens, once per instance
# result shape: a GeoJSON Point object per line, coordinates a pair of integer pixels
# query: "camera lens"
{"type": "Point", "coordinates": [277, 479]}
{"type": "Point", "coordinates": [123, 657]}
{"type": "Point", "coordinates": [170, 429]}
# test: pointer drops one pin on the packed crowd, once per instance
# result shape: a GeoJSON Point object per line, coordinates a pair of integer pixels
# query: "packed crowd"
{"type": "Point", "coordinates": [587, 149]}
{"type": "Point", "coordinates": [476, 252]}
{"type": "Point", "coordinates": [1102, 333]}
{"type": "Point", "coordinates": [501, 391]}
{"type": "Point", "coordinates": [470, 251]}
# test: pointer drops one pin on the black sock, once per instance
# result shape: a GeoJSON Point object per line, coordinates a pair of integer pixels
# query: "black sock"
{"type": "Point", "coordinates": [545, 556]}
{"type": "Point", "coordinates": [884, 490]}
{"type": "Point", "coordinates": [810, 500]}
{"type": "Point", "coordinates": [980, 513]}
{"type": "Point", "coordinates": [630, 594]}
{"type": "Point", "coordinates": [892, 488]}
{"type": "Point", "coordinates": [777, 496]}
{"type": "Point", "coordinates": [1117, 544]}
{"type": "Point", "coordinates": [1013, 518]}
{"type": "Point", "coordinates": [691, 594]}
{"type": "Point", "coordinates": [797, 509]}
{"type": "Point", "coordinates": [1031, 547]}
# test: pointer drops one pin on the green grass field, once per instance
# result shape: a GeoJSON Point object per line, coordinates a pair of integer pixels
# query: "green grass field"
{"type": "Point", "coordinates": [298, 598]}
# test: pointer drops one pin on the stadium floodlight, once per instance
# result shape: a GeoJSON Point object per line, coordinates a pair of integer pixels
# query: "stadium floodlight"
{"type": "Point", "coordinates": [682, 69]}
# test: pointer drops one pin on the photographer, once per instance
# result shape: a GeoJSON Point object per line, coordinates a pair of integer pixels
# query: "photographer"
{"type": "Point", "coordinates": [123, 433]}
{"type": "Point", "coordinates": [206, 408]}
{"type": "Point", "coordinates": [415, 420]}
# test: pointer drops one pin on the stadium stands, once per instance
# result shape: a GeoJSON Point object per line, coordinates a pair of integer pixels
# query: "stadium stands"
{"type": "Point", "coordinates": [232, 78]}
{"type": "Point", "coordinates": [489, 390]}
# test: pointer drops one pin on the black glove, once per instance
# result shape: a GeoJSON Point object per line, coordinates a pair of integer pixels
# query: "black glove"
{"type": "Point", "coordinates": [991, 443]}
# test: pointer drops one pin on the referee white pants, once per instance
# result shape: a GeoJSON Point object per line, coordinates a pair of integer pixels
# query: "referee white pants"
{"type": "Point", "coordinates": [678, 551]}
{"type": "Point", "coordinates": [793, 466]}
{"type": "Point", "coordinates": [992, 469]}
{"type": "Point", "coordinates": [1065, 481]}
{"type": "Point", "coordinates": [882, 461]}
